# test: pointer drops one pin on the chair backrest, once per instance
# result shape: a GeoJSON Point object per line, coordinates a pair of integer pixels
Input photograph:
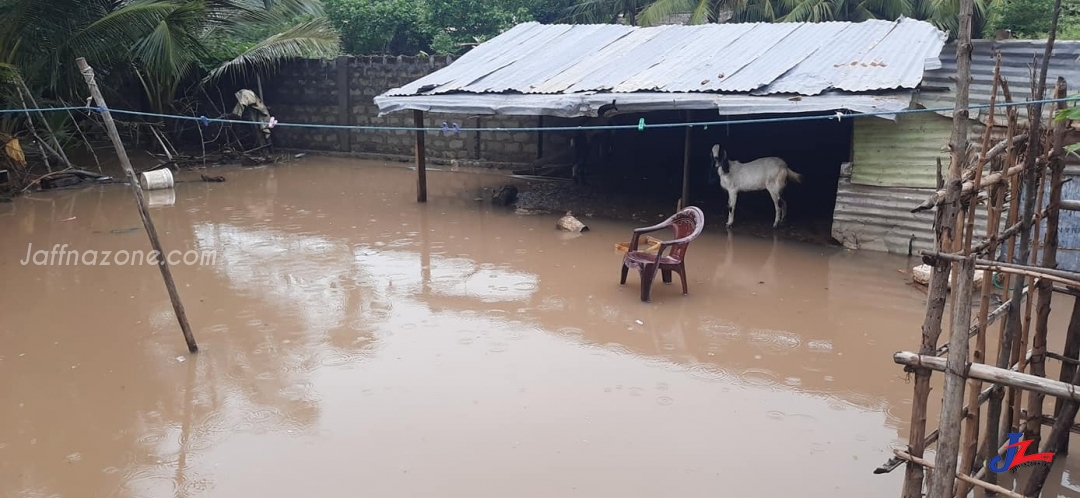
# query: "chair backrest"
{"type": "Point", "coordinates": [688, 224]}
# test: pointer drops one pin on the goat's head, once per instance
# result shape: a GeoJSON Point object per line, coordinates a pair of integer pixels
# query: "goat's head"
{"type": "Point", "coordinates": [720, 160]}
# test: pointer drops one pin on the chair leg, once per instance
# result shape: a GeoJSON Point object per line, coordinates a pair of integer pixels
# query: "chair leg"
{"type": "Point", "coordinates": [647, 276]}
{"type": "Point", "coordinates": [625, 270]}
{"type": "Point", "coordinates": [666, 275]}
{"type": "Point", "coordinates": [682, 277]}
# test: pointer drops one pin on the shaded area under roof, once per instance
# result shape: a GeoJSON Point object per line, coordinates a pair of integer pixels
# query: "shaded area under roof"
{"type": "Point", "coordinates": [682, 67]}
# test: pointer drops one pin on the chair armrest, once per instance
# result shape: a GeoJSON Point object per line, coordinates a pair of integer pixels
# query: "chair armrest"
{"type": "Point", "coordinates": [654, 228]}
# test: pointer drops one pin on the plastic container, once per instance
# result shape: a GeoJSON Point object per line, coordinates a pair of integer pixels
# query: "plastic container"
{"type": "Point", "coordinates": [157, 180]}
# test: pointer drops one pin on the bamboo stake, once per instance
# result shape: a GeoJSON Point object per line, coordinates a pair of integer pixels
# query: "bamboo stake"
{"type": "Point", "coordinates": [1059, 435]}
{"type": "Point", "coordinates": [971, 422]}
{"type": "Point", "coordinates": [1045, 289]}
{"type": "Point", "coordinates": [144, 210]}
{"type": "Point", "coordinates": [1009, 346]}
{"type": "Point", "coordinates": [967, 479]}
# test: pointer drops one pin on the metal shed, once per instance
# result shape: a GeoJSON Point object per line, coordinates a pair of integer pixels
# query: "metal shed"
{"type": "Point", "coordinates": [893, 167]}
{"type": "Point", "coordinates": [737, 69]}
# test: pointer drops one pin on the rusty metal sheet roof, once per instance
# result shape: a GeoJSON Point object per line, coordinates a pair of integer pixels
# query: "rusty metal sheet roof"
{"type": "Point", "coordinates": [763, 58]}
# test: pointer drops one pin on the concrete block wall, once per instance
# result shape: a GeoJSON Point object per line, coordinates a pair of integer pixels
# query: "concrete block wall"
{"type": "Point", "coordinates": [342, 92]}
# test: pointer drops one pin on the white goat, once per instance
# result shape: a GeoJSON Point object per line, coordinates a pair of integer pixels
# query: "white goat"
{"type": "Point", "coordinates": [767, 173]}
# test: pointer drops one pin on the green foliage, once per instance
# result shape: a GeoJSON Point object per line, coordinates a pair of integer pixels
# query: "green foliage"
{"type": "Point", "coordinates": [380, 26]}
{"type": "Point", "coordinates": [397, 27]}
{"type": "Point", "coordinates": [1031, 18]}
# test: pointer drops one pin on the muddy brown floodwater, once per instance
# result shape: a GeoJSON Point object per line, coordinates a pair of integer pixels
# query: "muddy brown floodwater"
{"type": "Point", "coordinates": [355, 342]}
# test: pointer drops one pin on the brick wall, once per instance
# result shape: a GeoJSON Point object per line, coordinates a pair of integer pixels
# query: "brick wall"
{"type": "Point", "coordinates": [311, 91]}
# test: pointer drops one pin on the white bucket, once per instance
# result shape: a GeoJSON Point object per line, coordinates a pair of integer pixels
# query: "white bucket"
{"type": "Point", "coordinates": [157, 179]}
{"type": "Point", "coordinates": [161, 198]}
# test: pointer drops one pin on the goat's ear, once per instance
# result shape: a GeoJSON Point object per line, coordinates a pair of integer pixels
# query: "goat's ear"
{"type": "Point", "coordinates": [716, 150]}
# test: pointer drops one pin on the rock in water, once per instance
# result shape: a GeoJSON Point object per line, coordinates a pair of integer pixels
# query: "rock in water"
{"type": "Point", "coordinates": [505, 196]}
{"type": "Point", "coordinates": [571, 224]}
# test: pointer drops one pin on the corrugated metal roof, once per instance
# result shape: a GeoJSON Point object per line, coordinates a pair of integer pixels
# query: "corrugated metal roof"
{"type": "Point", "coordinates": [1016, 59]}
{"type": "Point", "coordinates": [798, 58]}
{"type": "Point", "coordinates": [588, 104]}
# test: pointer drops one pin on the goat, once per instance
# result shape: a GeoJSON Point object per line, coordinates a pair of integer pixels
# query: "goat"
{"type": "Point", "coordinates": [767, 173]}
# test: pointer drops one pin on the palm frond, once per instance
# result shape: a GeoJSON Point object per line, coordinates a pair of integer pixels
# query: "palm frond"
{"type": "Point", "coordinates": [316, 38]}
{"type": "Point", "coordinates": [662, 10]}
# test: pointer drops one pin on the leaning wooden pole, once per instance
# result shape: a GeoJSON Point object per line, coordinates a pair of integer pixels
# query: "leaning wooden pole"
{"type": "Point", "coordinates": [421, 157]}
{"type": "Point", "coordinates": [144, 209]}
{"type": "Point", "coordinates": [943, 481]}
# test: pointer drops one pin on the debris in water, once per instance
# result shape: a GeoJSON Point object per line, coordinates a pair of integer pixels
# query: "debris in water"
{"type": "Point", "coordinates": [300, 155]}
{"type": "Point", "coordinates": [639, 322]}
{"type": "Point", "coordinates": [571, 224]}
{"type": "Point", "coordinates": [68, 219]}
{"type": "Point", "coordinates": [180, 359]}
{"type": "Point", "coordinates": [208, 178]}
{"type": "Point", "coordinates": [505, 196]}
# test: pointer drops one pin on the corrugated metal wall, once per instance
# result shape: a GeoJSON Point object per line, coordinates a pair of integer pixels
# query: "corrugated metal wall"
{"type": "Point", "coordinates": [901, 153]}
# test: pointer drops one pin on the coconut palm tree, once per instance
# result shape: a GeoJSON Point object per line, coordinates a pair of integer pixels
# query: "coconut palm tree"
{"type": "Point", "coordinates": [942, 13]}
{"type": "Point", "coordinates": [159, 43]}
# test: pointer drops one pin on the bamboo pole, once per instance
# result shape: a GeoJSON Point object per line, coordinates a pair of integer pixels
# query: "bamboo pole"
{"type": "Point", "coordinates": [1044, 288]}
{"type": "Point", "coordinates": [1009, 346]}
{"type": "Point", "coordinates": [421, 157]}
{"type": "Point", "coordinates": [144, 210]}
{"type": "Point", "coordinates": [41, 116]}
{"type": "Point", "coordinates": [996, 375]}
{"type": "Point", "coordinates": [970, 442]}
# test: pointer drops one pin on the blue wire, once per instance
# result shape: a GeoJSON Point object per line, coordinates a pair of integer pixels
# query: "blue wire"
{"type": "Point", "coordinates": [205, 121]}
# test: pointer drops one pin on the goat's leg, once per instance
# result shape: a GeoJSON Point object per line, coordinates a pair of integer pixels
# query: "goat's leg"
{"type": "Point", "coordinates": [733, 195]}
{"type": "Point", "coordinates": [776, 206]}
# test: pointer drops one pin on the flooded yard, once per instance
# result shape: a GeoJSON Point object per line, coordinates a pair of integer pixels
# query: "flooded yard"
{"type": "Point", "coordinates": [354, 342]}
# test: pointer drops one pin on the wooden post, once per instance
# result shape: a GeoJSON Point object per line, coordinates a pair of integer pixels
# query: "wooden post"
{"type": "Point", "coordinates": [944, 224]}
{"type": "Point", "coordinates": [969, 446]}
{"type": "Point", "coordinates": [948, 447]}
{"type": "Point", "coordinates": [144, 210]}
{"type": "Point", "coordinates": [344, 103]}
{"type": "Point", "coordinates": [994, 375]}
{"type": "Point", "coordinates": [685, 201]}
{"type": "Point", "coordinates": [1044, 288]}
{"type": "Point", "coordinates": [421, 159]}
{"type": "Point", "coordinates": [1071, 351]}
{"type": "Point", "coordinates": [539, 138]}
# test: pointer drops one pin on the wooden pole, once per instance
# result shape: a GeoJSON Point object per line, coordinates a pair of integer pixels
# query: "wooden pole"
{"type": "Point", "coordinates": [1044, 288]}
{"type": "Point", "coordinates": [969, 446]}
{"type": "Point", "coordinates": [144, 209]}
{"type": "Point", "coordinates": [685, 201]}
{"type": "Point", "coordinates": [995, 375]}
{"type": "Point", "coordinates": [1068, 369]}
{"type": "Point", "coordinates": [942, 482]}
{"type": "Point", "coordinates": [421, 157]}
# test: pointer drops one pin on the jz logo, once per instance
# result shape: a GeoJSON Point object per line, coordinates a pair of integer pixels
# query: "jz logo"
{"type": "Point", "coordinates": [1015, 455]}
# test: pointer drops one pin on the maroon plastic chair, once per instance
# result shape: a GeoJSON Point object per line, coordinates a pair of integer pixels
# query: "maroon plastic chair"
{"type": "Point", "coordinates": [687, 225]}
